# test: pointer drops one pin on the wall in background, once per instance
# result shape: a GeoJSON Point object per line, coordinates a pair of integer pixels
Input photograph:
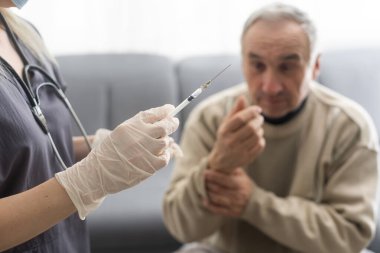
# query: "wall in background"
{"type": "Point", "coordinates": [179, 28]}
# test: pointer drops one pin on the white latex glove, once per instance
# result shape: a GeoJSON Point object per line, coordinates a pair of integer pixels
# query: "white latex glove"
{"type": "Point", "coordinates": [102, 133]}
{"type": "Point", "coordinates": [99, 136]}
{"type": "Point", "coordinates": [133, 151]}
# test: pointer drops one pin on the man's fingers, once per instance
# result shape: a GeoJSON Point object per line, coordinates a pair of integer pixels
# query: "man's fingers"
{"type": "Point", "coordinates": [257, 147]}
{"type": "Point", "coordinates": [215, 188]}
{"type": "Point", "coordinates": [249, 142]}
{"type": "Point", "coordinates": [252, 129]}
{"type": "Point", "coordinates": [219, 199]}
{"type": "Point", "coordinates": [219, 178]}
{"type": "Point", "coordinates": [241, 118]}
{"type": "Point", "coordinates": [239, 105]}
{"type": "Point", "coordinates": [215, 209]}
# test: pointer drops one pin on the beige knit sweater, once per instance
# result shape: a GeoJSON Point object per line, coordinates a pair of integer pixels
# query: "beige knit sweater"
{"type": "Point", "coordinates": [315, 181]}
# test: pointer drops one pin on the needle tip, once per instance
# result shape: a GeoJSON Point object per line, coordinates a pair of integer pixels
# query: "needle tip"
{"type": "Point", "coordinates": [219, 73]}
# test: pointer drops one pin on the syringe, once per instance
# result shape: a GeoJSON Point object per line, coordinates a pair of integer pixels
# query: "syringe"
{"type": "Point", "coordinates": [195, 93]}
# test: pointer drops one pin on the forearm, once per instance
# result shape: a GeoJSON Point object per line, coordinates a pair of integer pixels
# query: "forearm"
{"type": "Point", "coordinates": [340, 219]}
{"type": "Point", "coordinates": [80, 147]}
{"type": "Point", "coordinates": [25, 215]}
{"type": "Point", "coordinates": [184, 213]}
{"type": "Point", "coordinates": [306, 226]}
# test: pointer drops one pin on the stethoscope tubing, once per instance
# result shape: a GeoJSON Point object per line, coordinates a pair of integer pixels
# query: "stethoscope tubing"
{"type": "Point", "coordinates": [34, 100]}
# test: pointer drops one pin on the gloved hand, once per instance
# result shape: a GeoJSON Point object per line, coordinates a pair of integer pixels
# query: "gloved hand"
{"type": "Point", "coordinates": [99, 136]}
{"type": "Point", "coordinates": [133, 151]}
{"type": "Point", "coordinates": [102, 133]}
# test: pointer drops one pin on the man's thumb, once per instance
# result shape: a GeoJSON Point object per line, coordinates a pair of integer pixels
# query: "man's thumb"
{"type": "Point", "coordinates": [239, 105]}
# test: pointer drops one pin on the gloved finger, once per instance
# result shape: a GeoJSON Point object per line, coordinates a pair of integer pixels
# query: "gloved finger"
{"type": "Point", "coordinates": [160, 128]}
{"type": "Point", "coordinates": [175, 149]}
{"type": "Point", "coordinates": [157, 146]}
{"type": "Point", "coordinates": [165, 127]}
{"type": "Point", "coordinates": [163, 159]}
{"type": "Point", "coordinates": [155, 114]}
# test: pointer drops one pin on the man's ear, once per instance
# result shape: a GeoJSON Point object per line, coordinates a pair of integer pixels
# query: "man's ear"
{"type": "Point", "coordinates": [316, 67]}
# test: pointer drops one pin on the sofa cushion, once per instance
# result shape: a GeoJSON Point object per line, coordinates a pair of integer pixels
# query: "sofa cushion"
{"type": "Point", "coordinates": [87, 94]}
{"type": "Point", "coordinates": [107, 89]}
{"type": "Point", "coordinates": [131, 221]}
{"type": "Point", "coordinates": [356, 74]}
{"type": "Point", "coordinates": [110, 88]}
{"type": "Point", "coordinates": [143, 82]}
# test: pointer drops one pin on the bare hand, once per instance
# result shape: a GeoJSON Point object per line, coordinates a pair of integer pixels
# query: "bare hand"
{"type": "Point", "coordinates": [239, 139]}
{"type": "Point", "coordinates": [228, 194]}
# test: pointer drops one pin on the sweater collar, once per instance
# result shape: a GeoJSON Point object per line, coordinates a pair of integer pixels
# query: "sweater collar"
{"type": "Point", "coordinates": [293, 124]}
{"type": "Point", "coordinates": [286, 118]}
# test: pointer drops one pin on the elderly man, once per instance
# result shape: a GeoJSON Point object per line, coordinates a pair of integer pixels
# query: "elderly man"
{"type": "Point", "coordinates": [280, 163]}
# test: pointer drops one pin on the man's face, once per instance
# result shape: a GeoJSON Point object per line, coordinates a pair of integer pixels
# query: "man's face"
{"type": "Point", "coordinates": [276, 65]}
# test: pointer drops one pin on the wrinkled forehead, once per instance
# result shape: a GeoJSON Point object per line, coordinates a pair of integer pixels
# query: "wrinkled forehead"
{"type": "Point", "coordinates": [274, 39]}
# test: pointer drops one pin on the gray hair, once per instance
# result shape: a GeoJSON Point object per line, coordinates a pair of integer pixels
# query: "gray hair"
{"type": "Point", "coordinates": [280, 11]}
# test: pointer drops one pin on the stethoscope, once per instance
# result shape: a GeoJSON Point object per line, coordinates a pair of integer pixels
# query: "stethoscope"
{"type": "Point", "coordinates": [33, 97]}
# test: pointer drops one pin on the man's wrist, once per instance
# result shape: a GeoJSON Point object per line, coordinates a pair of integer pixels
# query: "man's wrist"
{"type": "Point", "coordinates": [215, 161]}
{"type": "Point", "coordinates": [211, 164]}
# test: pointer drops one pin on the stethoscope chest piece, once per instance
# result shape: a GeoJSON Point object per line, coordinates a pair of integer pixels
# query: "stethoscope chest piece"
{"type": "Point", "coordinates": [40, 118]}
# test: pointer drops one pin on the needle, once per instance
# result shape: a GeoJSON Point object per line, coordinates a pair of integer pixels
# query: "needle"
{"type": "Point", "coordinates": [195, 93]}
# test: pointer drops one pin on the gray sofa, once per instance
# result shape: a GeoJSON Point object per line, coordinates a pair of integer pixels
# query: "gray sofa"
{"type": "Point", "coordinates": [107, 89]}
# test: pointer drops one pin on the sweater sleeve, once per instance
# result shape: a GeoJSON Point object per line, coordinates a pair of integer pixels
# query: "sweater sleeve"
{"type": "Point", "coordinates": [184, 214]}
{"type": "Point", "coordinates": [342, 222]}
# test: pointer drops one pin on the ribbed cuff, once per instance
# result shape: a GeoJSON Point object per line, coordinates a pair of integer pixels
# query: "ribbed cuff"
{"type": "Point", "coordinates": [257, 201]}
{"type": "Point", "coordinates": [200, 180]}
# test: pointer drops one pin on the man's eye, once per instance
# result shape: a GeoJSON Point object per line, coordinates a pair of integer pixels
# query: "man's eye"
{"type": "Point", "coordinates": [285, 67]}
{"type": "Point", "coordinates": [259, 66]}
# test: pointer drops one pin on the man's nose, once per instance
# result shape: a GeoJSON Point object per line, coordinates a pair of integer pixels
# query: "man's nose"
{"type": "Point", "coordinates": [271, 83]}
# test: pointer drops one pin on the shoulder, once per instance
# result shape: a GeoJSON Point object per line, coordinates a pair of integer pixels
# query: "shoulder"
{"type": "Point", "coordinates": [347, 114]}
{"type": "Point", "coordinates": [33, 28]}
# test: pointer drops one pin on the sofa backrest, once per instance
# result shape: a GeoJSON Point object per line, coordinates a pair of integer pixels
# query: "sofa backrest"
{"type": "Point", "coordinates": [356, 74]}
{"type": "Point", "coordinates": [194, 71]}
{"type": "Point", "coordinates": [107, 89]}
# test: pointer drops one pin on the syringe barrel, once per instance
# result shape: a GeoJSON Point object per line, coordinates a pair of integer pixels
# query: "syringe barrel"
{"type": "Point", "coordinates": [186, 102]}
{"type": "Point", "coordinates": [195, 94]}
